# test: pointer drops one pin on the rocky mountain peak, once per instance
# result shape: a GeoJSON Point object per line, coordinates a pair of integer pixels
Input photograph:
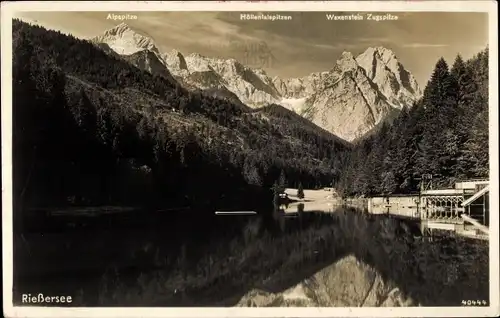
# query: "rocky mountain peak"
{"type": "Point", "coordinates": [385, 53]}
{"type": "Point", "coordinates": [150, 62]}
{"type": "Point", "coordinates": [346, 55]}
{"type": "Point", "coordinates": [346, 62]}
{"type": "Point", "coordinates": [392, 79]}
{"type": "Point", "coordinates": [125, 41]}
{"type": "Point", "coordinates": [118, 29]}
{"type": "Point", "coordinates": [175, 60]}
{"type": "Point", "coordinates": [378, 53]}
{"type": "Point", "coordinates": [349, 100]}
{"type": "Point", "coordinates": [196, 56]}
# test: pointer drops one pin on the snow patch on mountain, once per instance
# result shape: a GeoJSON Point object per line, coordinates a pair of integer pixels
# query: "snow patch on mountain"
{"type": "Point", "coordinates": [294, 104]}
{"type": "Point", "coordinates": [349, 100]}
{"type": "Point", "coordinates": [253, 87]}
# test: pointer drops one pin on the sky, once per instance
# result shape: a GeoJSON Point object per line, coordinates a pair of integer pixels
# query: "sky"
{"type": "Point", "coordinates": [292, 48]}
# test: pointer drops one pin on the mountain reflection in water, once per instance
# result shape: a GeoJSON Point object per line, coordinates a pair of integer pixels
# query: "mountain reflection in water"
{"type": "Point", "coordinates": [194, 253]}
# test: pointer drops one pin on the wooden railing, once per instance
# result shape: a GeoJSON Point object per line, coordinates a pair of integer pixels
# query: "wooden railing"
{"type": "Point", "coordinates": [478, 225]}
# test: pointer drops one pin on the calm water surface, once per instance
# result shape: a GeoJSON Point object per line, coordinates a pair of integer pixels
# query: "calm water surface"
{"type": "Point", "coordinates": [58, 251]}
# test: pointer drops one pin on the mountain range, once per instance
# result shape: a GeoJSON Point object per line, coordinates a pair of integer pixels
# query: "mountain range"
{"type": "Point", "coordinates": [351, 99]}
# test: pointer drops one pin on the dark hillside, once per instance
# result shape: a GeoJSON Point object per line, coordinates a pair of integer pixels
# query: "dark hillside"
{"type": "Point", "coordinates": [90, 128]}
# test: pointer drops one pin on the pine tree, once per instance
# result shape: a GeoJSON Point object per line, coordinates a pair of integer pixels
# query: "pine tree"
{"type": "Point", "coordinates": [388, 181]}
{"type": "Point", "coordinates": [437, 90]}
{"type": "Point", "coordinates": [457, 135]}
{"type": "Point", "coordinates": [438, 103]}
{"type": "Point", "coordinates": [251, 173]}
{"type": "Point", "coordinates": [464, 81]}
{"type": "Point", "coordinates": [84, 113]}
{"type": "Point", "coordinates": [24, 117]}
{"type": "Point", "coordinates": [276, 194]}
{"type": "Point", "coordinates": [476, 148]}
{"type": "Point", "coordinates": [300, 191]}
{"type": "Point", "coordinates": [282, 181]}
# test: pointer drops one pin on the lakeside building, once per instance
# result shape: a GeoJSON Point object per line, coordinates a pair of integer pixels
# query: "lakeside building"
{"type": "Point", "coordinates": [469, 197]}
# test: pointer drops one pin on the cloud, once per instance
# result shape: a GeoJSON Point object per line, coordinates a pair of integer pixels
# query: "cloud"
{"type": "Point", "coordinates": [423, 45]}
{"type": "Point", "coordinates": [337, 46]}
{"type": "Point", "coordinates": [374, 39]}
{"type": "Point", "coordinates": [308, 43]}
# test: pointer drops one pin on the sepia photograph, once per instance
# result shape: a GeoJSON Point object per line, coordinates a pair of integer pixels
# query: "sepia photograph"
{"type": "Point", "coordinates": [250, 155]}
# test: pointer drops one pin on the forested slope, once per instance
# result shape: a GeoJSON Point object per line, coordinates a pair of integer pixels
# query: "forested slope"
{"type": "Point", "coordinates": [91, 128]}
{"type": "Point", "coordinates": [445, 134]}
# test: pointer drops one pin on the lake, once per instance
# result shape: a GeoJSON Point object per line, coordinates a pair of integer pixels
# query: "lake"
{"type": "Point", "coordinates": [180, 257]}
{"type": "Point", "coordinates": [62, 244]}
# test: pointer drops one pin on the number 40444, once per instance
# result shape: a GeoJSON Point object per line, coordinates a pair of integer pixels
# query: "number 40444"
{"type": "Point", "coordinates": [474, 302]}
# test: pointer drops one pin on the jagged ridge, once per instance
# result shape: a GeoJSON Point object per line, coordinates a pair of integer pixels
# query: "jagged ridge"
{"type": "Point", "coordinates": [351, 99]}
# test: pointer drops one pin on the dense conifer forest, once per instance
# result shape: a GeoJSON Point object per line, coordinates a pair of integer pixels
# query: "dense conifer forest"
{"type": "Point", "coordinates": [90, 128]}
{"type": "Point", "coordinates": [445, 134]}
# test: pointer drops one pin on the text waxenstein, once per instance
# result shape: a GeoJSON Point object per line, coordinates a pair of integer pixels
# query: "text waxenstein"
{"type": "Point", "coordinates": [265, 17]}
{"type": "Point", "coordinates": [362, 17]}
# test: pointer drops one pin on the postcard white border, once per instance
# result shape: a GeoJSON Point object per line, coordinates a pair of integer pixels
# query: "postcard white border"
{"type": "Point", "coordinates": [7, 10]}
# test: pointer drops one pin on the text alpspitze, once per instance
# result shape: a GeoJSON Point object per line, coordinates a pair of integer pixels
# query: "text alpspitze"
{"type": "Point", "coordinates": [121, 17]}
